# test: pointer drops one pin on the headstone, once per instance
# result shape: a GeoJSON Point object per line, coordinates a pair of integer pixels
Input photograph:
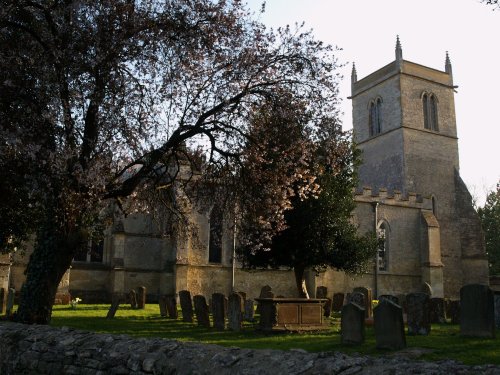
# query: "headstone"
{"type": "Point", "coordinates": [3, 301]}
{"type": "Point", "coordinates": [201, 311]}
{"type": "Point", "coordinates": [248, 315]}
{"type": "Point", "coordinates": [10, 301]}
{"type": "Point", "coordinates": [338, 301]}
{"type": "Point", "coordinates": [402, 301]}
{"type": "Point", "coordinates": [219, 311]}
{"type": "Point", "coordinates": [186, 306]}
{"type": "Point", "coordinates": [390, 298]}
{"type": "Point", "coordinates": [389, 326]}
{"type": "Point", "coordinates": [234, 312]}
{"type": "Point", "coordinates": [327, 307]}
{"type": "Point", "coordinates": [496, 300]}
{"type": "Point", "coordinates": [436, 310]}
{"type": "Point", "coordinates": [162, 302]}
{"type": "Point", "coordinates": [368, 300]}
{"type": "Point", "coordinates": [427, 289]}
{"type": "Point", "coordinates": [171, 305]}
{"type": "Point", "coordinates": [477, 311]}
{"type": "Point", "coordinates": [132, 297]}
{"type": "Point", "coordinates": [454, 311]}
{"type": "Point", "coordinates": [352, 324]}
{"type": "Point", "coordinates": [321, 292]}
{"type": "Point", "coordinates": [418, 314]}
{"type": "Point", "coordinates": [265, 292]}
{"type": "Point", "coordinates": [359, 299]}
{"type": "Point", "coordinates": [141, 297]}
{"type": "Point", "coordinates": [116, 299]}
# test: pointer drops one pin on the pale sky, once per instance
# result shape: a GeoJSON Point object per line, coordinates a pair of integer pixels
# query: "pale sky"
{"type": "Point", "coordinates": [366, 31]}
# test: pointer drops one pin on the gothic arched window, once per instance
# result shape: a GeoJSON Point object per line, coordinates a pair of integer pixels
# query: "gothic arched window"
{"type": "Point", "coordinates": [383, 248]}
{"type": "Point", "coordinates": [215, 241]}
{"type": "Point", "coordinates": [374, 117]}
{"type": "Point", "coordinates": [429, 105]}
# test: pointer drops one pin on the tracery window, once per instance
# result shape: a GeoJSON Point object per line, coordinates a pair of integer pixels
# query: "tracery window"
{"type": "Point", "coordinates": [375, 117]}
{"type": "Point", "coordinates": [215, 241]}
{"type": "Point", "coordinates": [93, 253]}
{"type": "Point", "coordinates": [429, 105]}
{"type": "Point", "coordinates": [383, 248]}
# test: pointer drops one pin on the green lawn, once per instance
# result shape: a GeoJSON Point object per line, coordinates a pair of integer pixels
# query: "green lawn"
{"type": "Point", "coordinates": [444, 341]}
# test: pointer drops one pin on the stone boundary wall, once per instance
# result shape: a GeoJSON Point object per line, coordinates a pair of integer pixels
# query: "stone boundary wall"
{"type": "Point", "coordinates": [45, 350]}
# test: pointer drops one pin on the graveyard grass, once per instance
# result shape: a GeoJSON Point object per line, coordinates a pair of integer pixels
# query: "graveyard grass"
{"type": "Point", "coordinates": [443, 343]}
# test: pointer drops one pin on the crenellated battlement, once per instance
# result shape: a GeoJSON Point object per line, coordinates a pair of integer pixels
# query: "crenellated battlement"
{"type": "Point", "coordinates": [396, 198]}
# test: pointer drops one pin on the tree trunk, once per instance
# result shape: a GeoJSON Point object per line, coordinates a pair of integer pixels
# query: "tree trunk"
{"type": "Point", "coordinates": [301, 281]}
{"type": "Point", "coordinates": [51, 257]}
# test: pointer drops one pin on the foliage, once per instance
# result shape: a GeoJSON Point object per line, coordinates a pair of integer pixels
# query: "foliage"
{"type": "Point", "coordinates": [490, 220]}
{"type": "Point", "coordinates": [443, 343]}
{"type": "Point", "coordinates": [492, 2]}
{"type": "Point", "coordinates": [107, 100]}
{"type": "Point", "coordinates": [319, 231]}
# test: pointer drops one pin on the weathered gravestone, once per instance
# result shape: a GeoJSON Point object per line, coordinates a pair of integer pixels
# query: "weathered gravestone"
{"type": "Point", "coordinates": [219, 311]}
{"type": "Point", "coordinates": [248, 315]}
{"type": "Point", "coordinates": [10, 301]}
{"type": "Point", "coordinates": [427, 289]}
{"type": "Point", "coordinates": [390, 297]}
{"type": "Point", "coordinates": [141, 297]}
{"type": "Point", "coordinates": [496, 301]}
{"type": "Point", "coordinates": [132, 297]}
{"type": "Point", "coordinates": [454, 311]}
{"type": "Point", "coordinates": [322, 292]}
{"type": "Point", "coordinates": [235, 316]}
{"type": "Point", "coordinates": [171, 305]}
{"type": "Point", "coordinates": [417, 305]}
{"type": "Point", "coordinates": [359, 299]}
{"type": "Point", "coordinates": [338, 301]}
{"type": "Point", "coordinates": [389, 326]}
{"type": "Point", "coordinates": [116, 299]}
{"type": "Point", "coordinates": [367, 292]}
{"type": "Point", "coordinates": [186, 306]}
{"type": "Point", "coordinates": [162, 303]}
{"type": "Point", "coordinates": [437, 310]}
{"type": "Point", "coordinates": [201, 311]}
{"type": "Point", "coordinates": [265, 292]}
{"type": "Point", "coordinates": [3, 301]}
{"type": "Point", "coordinates": [477, 311]}
{"type": "Point", "coordinates": [402, 301]}
{"type": "Point", "coordinates": [352, 324]}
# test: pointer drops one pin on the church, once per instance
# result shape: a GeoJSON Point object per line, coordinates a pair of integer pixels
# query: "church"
{"type": "Point", "coordinates": [410, 192]}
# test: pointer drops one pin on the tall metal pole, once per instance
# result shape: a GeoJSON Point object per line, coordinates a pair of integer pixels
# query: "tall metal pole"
{"type": "Point", "coordinates": [375, 209]}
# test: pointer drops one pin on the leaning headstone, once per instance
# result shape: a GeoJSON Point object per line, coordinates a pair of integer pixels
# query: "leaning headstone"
{"type": "Point", "coordinates": [186, 306]}
{"type": "Point", "coordinates": [248, 315]}
{"type": "Point", "coordinates": [234, 312]}
{"type": "Point", "coordinates": [352, 324]}
{"type": "Point", "coordinates": [338, 301]}
{"type": "Point", "coordinates": [454, 311]}
{"type": "Point", "coordinates": [162, 303]}
{"type": "Point", "coordinates": [3, 301]}
{"type": "Point", "coordinates": [427, 289]}
{"type": "Point", "coordinates": [496, 300]}
{"type": "Point", "coordinates": [10, 301]}
{"type": "Point", "coordinates": [171, 305]}
{"type": "Point", "coordinates": [359, 299]}
{"type": "Point", "coordinates": [141, 297]}
{"type": "Point", "coordinates": [368, 300]}
{"type": "Point", "coordinates": [201, 311]}
{"type": "Point", "coordinates": [418, 314]}
{"type": "Point", "coordinates": [389, 326]}
{"type": "Point", "coordinates": [390, 298]}
{"type": "Point", "coordinates": [437, 310]}
{"type": "Point", "coordinates": [116, 299]}
{"type": "Point", "coordinates": [477, 311]}
{"type": "Point", "coordinates": [219, 311]}
{"type": "Point", "coordinates": [132, 297]}
{"type": "Point", "coordinates": [321, 292]}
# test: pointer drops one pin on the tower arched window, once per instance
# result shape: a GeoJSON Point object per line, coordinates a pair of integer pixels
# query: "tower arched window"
{"type": "Point", "coordinates": [430, 108]}
{"type": "Point", "coordinates": [375, 116]}
{"type": "Point", "coordinates": [383, 246]}
{"type": "Point", "coordinates": [215, 240]}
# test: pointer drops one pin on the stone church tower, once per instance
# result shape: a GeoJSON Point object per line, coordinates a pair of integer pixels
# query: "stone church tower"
{"type": "Point", "coordinates": [404, 123]}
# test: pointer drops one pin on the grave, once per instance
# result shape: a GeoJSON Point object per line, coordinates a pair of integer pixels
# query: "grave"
{"type": "Point", "coordinates": [116, 299]}
{"type": "Point", "coordinates": [418, 321]}
{"type": "Point", "coordinates": [186, 306]}
{"type": "Point", "coordinates": [338, 301]}
{"type": "Point", "coordinates": [141, 297]}
{"type": "Point", "coordinates": [454, 311]}
{"type": "Point", "coordinates": [171, 305]}
{"type": "Point", "coordinates": [367, 292]}
{"type": "Point", "coordinates": [437, 310]}
{"type": "Point", "coordinates": [219, 311]}
{"type": "Point", "coordinates": [389, 326]}
{"type": "Point", "coordinates": [390, 297]}
{"type": "Point", "coordinates": [477, 311]}
{"type": "Point", "coordinates": [248, 315]}
{"type": "Point", "coordinates": [201, 311]}
{"type": "Point", "coordinates": [235, 315]}
{"type": "Point", "coordinates": [496, 301]}
{"type": "Point", "coordinates": [352, 324]}
{"type": "Point", "coordinates": [132, 297]}
{"type": "Point", "coordinates": [162, 303]}
{"type": "Point", "coordinates": [10, 301]}
{"type": "Point", "coordinates": [3, 301]}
